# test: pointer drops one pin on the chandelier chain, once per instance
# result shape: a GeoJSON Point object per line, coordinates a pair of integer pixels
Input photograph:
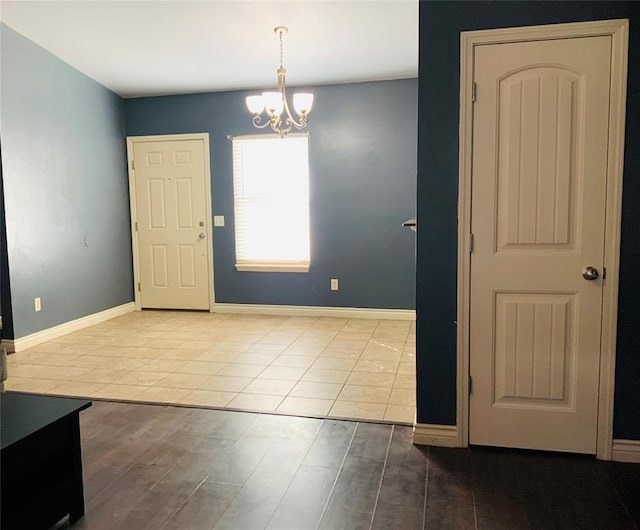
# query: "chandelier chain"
{"type": "Point", "coordinates": [281, 50]}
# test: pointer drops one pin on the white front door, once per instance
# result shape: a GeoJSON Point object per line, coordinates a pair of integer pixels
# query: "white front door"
{"type": "Point", "coordinates": [540, 134]}
{"type": "Point", "coordinates": [172, 223]}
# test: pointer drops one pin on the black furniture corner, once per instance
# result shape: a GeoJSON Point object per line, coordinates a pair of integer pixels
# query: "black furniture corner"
{"type": "Point", "coordinates": [41, 460]}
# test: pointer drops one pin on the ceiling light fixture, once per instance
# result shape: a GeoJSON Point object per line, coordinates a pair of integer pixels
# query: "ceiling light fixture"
{"type": "Point", "coordinates": [275, 103]}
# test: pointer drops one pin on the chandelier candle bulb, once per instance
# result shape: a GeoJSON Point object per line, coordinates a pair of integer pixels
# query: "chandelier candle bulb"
{"type": "Point", "coordinates": [275, 104]}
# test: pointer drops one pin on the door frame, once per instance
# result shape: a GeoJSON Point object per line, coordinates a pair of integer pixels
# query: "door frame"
{"type": "Point", "coordinates": [131, 141]}
{"type": "Point", "coordinates": [619, 32]}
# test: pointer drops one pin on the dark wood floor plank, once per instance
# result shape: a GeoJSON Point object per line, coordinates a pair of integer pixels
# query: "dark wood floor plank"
{"type": "Point", "coordinates": [449, 504]}
{"type": "Point", "coordinates": [542, 484]}
{"type": "Point", "coordinates": [592, 496]}
{"type": "Point", "coordinates": [204, 507]}
{"type": "Point", "coordinates": [242, 459]}
{"type": "Point", "coordinates": [403, 485]}
{"type": "Point", "coordinates": [268, 425]}
{"type": "Point", "coordinates": [220, 423]}
{"type": "Point", "coordinates": [331, 444]}
{"type": "Point", "coordinates": [572, 489]}
{"type": "Point", "coordinates": [626, 481]}
{"type": "Point", "coordinates": [112, 504]}
{"type": "Point", "coordinates": [259, 497]}
{"type": "Point", "coordinates": [144, 440]}
{"type": "Point", "coordinates": [392, 516]}
{"type": "Point", "coordinates": [353, 500]}
{"type": "Point", "coordinates": [405, 472]}
{"type": "Point", "coordinates": [149, 466]}
{"type": "Point", "coordinates": [174, 489]}
{"type": "Point", "coordinates": [302, 505]}
{"type": "Point", "coordinates": [402, 452]}
{"type": "Point", "coordinates": [108, 424]}
{"type": "Point", "coordinates": [497, 497]}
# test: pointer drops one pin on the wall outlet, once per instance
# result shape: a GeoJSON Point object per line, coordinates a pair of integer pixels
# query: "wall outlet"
{"type": "Point", "coordinates": [218, 220]}
{"type": "Point", "coordinates": [37, 305]}
{"type": "Point", "coordinates": [334, 284]}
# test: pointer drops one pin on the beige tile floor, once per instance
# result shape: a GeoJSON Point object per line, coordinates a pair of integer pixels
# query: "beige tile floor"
{"type": "Point", "coordinates": [308, 366]}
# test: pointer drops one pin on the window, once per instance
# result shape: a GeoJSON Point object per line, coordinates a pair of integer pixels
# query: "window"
{"type": "Point", "coordinates": [271, 202]}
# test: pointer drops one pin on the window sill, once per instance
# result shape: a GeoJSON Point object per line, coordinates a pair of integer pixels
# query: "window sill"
{"type": "Point", "coordinates": [273, 267]}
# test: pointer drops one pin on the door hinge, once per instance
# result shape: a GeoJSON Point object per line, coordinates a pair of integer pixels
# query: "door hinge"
{"type": "Point", "coordinates": [604, 273]}
{"type": "Point", "coordinates": [470, 385]}
{"type": "Point", "coordinates": [474, 92]}
{"type": "Point", "coordinates": [136, 225]}
{"type": "Point", "coordinates": [139, 288]}
{"type": "Point", "coordinates": [133, 165]}
{"type": "Point", "coordinates": [470, 243]}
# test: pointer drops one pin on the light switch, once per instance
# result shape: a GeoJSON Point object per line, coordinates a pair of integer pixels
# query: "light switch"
{"type": "Point", "coordinates": [218, 220]}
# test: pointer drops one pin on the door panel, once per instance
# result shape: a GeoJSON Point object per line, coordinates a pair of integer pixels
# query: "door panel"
{"type": "Point", "coordinates": [536, 118]}
{"type": "Point", "coordinates": [538, 208]}
{"type": "Point", "coordinates": [534, 350]}
{"type": "Point", "coordinates": [172, 224]}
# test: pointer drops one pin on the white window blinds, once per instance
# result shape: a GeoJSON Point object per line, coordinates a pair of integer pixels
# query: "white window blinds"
{"type": "Point", "coordinates": [271, 201]}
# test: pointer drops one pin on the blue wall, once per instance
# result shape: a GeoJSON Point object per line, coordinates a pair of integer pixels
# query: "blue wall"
{"type": "Point", "coordinates": [362, 157]}
{"type": "Point", "coordinates": [440, 27]}
{"type": "Point", "coordinates": [65, 189]}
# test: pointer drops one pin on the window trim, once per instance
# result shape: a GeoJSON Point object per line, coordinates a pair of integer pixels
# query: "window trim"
{"type": "Point", "coordinates": [274, 266]}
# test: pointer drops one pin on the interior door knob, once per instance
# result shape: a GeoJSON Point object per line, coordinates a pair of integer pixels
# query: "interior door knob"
{"type": "Point", "coordinates": [590, 273]}
{"type": "Point", "coordinates": [201, 236]}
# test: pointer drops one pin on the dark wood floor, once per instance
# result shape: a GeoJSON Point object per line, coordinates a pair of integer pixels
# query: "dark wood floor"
{"type": "Point", "coordinates": [157, 467]}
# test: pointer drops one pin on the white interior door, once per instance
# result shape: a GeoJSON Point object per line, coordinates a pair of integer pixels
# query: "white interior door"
{"type": "Point", "coordinates": [540, 137]}
{"type": "Point", "coordinates": [172, 223]}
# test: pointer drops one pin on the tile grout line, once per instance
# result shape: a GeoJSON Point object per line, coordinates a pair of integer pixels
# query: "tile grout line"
{"type": "Point", "coordinates": [333, 486]}
{"type": "Point", "coordinates": [426, 486]}
{"type": "Point", "coordinates": [384, 468]}
{"type": "Point", "coordinates": [310, 366]}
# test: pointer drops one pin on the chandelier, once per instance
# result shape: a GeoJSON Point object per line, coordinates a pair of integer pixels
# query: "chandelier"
{"type": "Point", "coordinates": [275, 103]}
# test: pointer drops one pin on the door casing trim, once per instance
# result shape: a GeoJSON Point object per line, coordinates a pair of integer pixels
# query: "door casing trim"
{"type": "Point", "coordinates": [131, 141]}
{"type": "Point", "coordinates": [619, 32]}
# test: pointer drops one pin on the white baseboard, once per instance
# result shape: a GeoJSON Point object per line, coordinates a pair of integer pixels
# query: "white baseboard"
{"type": "Point", "coordinates": [304, 310]}
{"type": "Point", "coordinates": [438, 435]}
{"type": "Point", "coordinates": [626, 451]}
{"type": "Point", "coordinates": [68, 327]}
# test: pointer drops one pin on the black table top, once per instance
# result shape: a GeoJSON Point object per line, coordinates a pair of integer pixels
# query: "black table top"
{"type": "Point", "coordinates": [24, 414]}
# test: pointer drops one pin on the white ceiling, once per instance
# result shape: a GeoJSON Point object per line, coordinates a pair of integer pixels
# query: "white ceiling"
{"type": "Point", "coordinates": [153, 47]}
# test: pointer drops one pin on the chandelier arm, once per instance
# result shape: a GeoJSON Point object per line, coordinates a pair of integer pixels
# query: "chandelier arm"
{"type": "Point", "coordinates": [302, 124]}
{"type": "Point", "coordinates": [257, 119]}
{"type": "Point", "coordinates": [290, 119]}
